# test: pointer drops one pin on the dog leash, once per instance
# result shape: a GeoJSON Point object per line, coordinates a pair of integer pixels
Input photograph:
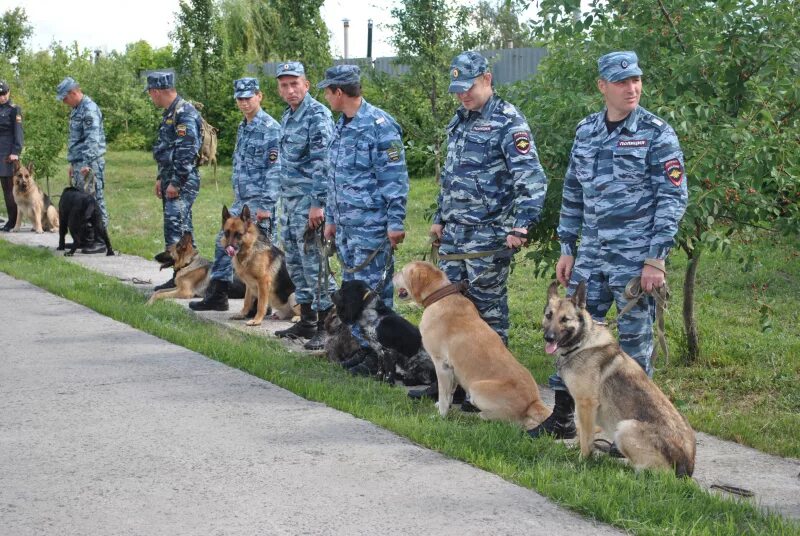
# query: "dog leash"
{"type": "Point", "coordinates": [89, 182]}
{"type": "Point", "coordinates": [634, 294]}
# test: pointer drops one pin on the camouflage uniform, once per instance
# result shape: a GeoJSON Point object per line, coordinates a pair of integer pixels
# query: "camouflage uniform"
{"type": "Point", "coordinates": [256, 171]}
{"type": "Point", "coordinates": [86, 146]}
{"type": "Point", "coordinates": [176, 152]}
{"type": "Point", "coordinates": [624, 195]}
{"type": "Point", "coordinates": [305, 136]}
{"type": "Point", "coordinates": [492, 182]}
{"type": "Point", "coordinates": [367, 188]}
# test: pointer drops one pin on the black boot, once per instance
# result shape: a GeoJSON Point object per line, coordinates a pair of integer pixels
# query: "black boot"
{"type": "Point", "coordinates": [317, 342]}
{"type": "Point", "coordinates": [561, 423]}
{"type": "Point", "coordinates": [304, 328]}
{"type": "Point", "coordinates": [92, 246]}
{"type": "Point", "coordinates": [168, 285]}
{"type": "Point", "coordinates": [216, 298]}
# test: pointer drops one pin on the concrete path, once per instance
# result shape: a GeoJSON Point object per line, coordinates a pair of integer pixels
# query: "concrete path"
{"type": "Point", "coordinates": [775, 481]}
{"type": "Point", "coordinates": [108, 430]}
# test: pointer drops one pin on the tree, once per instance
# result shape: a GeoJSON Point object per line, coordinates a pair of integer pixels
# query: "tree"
{"type": "Point", "coordinates": [499, 26]}
{"type": "Point", "coordinates": [724, 74]}
{"type": "Point", "coordinates": [14, 31]}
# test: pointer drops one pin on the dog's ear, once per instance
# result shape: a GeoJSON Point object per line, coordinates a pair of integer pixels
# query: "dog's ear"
{"type": "Point", "coordinates": [552, 290]}
{"type": "Point", "coordinates": [186, 240]}
{"type": "Point", "coordinates": [245, 215]}
{"type": "Point", "coordinates": [16, 166]}
{"type": "Point", "coordinates": [30, 168]}
{"type": "Point", "coordinates": [88, 209]}
{"type": "Point", "coordinates": [350, 303]}
{"type": "Point", "coordinates": [579, 298]}
{"type": "Point", "coordinates": [225, 214]}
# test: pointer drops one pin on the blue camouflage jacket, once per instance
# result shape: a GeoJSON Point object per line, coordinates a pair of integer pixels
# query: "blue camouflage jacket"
{"type": "Point", "coordinates": [624, 190]}
{"type": "Point", "coordinates": [256, 165]}
{"type": "Point", "coordinates": [178, 143]}
{"type": "Point", "coordinates": [87, 139]}
{"type": "Point", "coordinates": [305, 136]}
{"type": "Point", "coordinates": [492, 173]}
{"type": "Point", "coordinates": [367, 176]}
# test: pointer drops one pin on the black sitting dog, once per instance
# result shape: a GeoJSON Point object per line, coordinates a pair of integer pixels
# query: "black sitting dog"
{"type": "Point", "coordinates": [78, 213]}
{"type": "Point", "coordinates": [392, 339]}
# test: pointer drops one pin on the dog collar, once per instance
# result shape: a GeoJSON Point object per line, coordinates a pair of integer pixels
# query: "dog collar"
{"type": "Point", "coordinates": [452, 288]}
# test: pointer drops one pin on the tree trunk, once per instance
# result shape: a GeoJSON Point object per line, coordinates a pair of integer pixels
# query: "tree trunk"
{"type": "Point", "coordinates": [689, 322]}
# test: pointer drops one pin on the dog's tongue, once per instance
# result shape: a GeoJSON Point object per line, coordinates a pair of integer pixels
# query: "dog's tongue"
{"type": "Point", "coordinates": [230, 251]}
{"type": "Point", "coordinates": [551, 347]}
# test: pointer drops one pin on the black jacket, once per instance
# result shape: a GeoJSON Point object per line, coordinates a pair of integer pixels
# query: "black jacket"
{"type": "Point", "coordinates": [11, 136]}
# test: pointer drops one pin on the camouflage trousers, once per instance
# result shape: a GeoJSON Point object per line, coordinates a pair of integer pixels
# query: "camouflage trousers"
{"type": "Point", "coordinates": [178, 211]}
{"type": "Point", "coordinates": [93, 183]}
{"type": "Point", "coordinates": [303, 261]}
{"type": "Point", "coordinates": [606, 273]}
{"type": "Point", "coordinates": [488, 291]}
{"type": "Point", "coordinates": [355, 244]}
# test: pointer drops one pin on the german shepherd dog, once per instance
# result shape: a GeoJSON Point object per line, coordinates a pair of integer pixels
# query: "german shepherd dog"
{"type": "Point", "coordinates": [31, 202]}
{"type": "Point", "coordinates": [612, 391]}
{"type": "Point", "coordinates": [78, 212]}
{"type": "Point", "coordinates": [260, 265]}
{"type": "Point", "coordinates": [192, 272]}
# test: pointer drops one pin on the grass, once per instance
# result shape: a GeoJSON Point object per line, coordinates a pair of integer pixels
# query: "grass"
{"type": "Point", "coordinates": [602, 489]}
{"type": "Point", "coordinates": [744, 388]}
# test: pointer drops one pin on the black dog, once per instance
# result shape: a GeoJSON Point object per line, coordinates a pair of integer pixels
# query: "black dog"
{"type": "Point", "coordinates": [78, 212]}
{"type": "Point", "coordinates": [395, 340]}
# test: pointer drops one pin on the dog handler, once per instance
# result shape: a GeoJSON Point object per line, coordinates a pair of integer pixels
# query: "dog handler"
{"type": "Point", "coordinates": [306, 132]}
{"type": "Point", "coordinates": [624, 195]}
{"type": "Point", "coordinates": [255, 180]}
{"type": "Point", "coordinates": [85, 150]}
{"type": "Point", "coordinates": [175, 152]}
{"type": "Point", "coordinates": [11, 142]}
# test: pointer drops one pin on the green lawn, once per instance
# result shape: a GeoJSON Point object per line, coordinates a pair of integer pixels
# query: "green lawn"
{"type": "Point", "coordinates": [745, 388]}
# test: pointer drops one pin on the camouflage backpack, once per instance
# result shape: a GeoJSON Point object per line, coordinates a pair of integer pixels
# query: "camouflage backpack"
{"type": "Point", "coordinates": [208, 141]}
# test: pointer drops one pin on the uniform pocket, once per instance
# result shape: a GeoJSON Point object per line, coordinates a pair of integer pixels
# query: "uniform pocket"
{"type": "Point", "coordinates": [630, 164]}
{"type": "Point", "coordinates": [474, 151]}
{"type": "Point", "coordinates": [362, 159]}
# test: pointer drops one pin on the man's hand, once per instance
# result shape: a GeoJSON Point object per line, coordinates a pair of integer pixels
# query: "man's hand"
{"type": "Point", "coordinates": [173, 192]}
{"type": "Point", "coordinates": [564, 269]}
{"type": "Point", "coordinates": [262, 215]}
{"type": "Point", "coordinates": [515, 241]}
{"type": "Point", "coordinates": [436, 230]}
{"type": "Point", "coordinates": [396, 238]}
{"type": "Point", "coordinates": [85, 170]}
{"type": "Point", "coordinates": [316, 216]}
{"type": "Point", "coordinates": [12, 157]}
{"type": "Point", "coordinates": [158, 189]}
{"type": "Point", "coordinates": [330, 231]}
{"type": "Point", "coordinates": [652, 278]}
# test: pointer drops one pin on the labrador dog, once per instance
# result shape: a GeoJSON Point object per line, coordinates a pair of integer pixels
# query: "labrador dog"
{"type": "Point", "coordinates": [466, 351]}
{"type": "Point", "coordinates": [78, 214]}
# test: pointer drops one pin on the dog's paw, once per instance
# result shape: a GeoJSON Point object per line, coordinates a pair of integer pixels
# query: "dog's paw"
{"type": "Point", "coordinates": [252, 322]}
{"type": "Point", "coordinates": [60, 248]}
{"type": "Point", "coordinates": [110, 253]}
{"type": "Point", "coordinates": [69, 253]}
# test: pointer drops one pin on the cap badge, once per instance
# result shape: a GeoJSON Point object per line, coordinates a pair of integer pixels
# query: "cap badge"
{"type": "Point", "coordinates": [455, 73]}
{"type": "Point", "coordinates": [624, 64]}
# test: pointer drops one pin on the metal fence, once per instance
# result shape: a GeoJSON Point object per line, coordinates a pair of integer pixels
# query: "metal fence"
{"type": "Point", "coordinates": [507, 65]}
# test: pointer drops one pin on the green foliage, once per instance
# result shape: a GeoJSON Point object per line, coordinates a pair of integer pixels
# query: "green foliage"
{"type": "Point", "coordinates": [14, 31]}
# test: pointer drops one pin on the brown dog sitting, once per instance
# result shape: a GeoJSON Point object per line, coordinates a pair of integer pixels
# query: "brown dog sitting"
{"type": "Point", "coordinates": [260, 265]}
{"type": "Point", "coordinates": [466, 351]}
{"type": "Point", "coordinates": [31, 202]}
{"type": "Point", "coordinates": [192, 272]}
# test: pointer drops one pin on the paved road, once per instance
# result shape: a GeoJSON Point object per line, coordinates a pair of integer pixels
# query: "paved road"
{"type": "Point", "coordinates": [107, 430]}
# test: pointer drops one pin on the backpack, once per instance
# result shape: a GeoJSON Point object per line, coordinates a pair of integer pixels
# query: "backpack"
{"type": "Point", "coordinates": [208, 141]}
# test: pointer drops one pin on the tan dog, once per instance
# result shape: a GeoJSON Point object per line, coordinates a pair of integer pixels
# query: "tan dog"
{"type": "Point", "coordinates": [31, 202]}
{"type": "Point", "coordinates": [612, 391]}
{"type": "Point", "coordinates": [466, 351]}
{"type": "Point", "coordinates": [192, 272]}
{"type": "Point", "coordinates": [260, 265]}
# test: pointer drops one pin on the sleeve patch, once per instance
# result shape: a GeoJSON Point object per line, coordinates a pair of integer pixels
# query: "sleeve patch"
{"type": "Point", "coordinates": [522, 142]}
{"type": "Point", "coordinates": [19, 119]}
{"type": "Point", "coordinates": [674, 171]}
{"type": "Point", "coordinates": [394, 151]}
{"type": "Point", "coordinates": [87, 121]}
{"type": "Point", "coordinates": [180, 130]}
{"type": "Point", "coordinates": [273, 155]}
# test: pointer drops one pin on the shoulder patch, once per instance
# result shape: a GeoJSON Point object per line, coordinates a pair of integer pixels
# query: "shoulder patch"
{"type": "Point", "coordinates": [658, 122]}
{"type": "Point", "coordinates": [674, 171]}
{"type": "Point", "coordinates": [394, 151]}
{"type": "Point", "coordinates": [273, 155]}
{"type": "Point", "coordinates": [19, 119]}
{"type": "Point", "coordinates": [180, 130]}
{"type": "Point", "coordinates": [87, 121]}
{"type": "Point", "coordinates": [380, 120]}
{"type": "Point", "coordinates": [522, 142]}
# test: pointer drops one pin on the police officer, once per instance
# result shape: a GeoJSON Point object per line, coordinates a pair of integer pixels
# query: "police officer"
{"type": "Point", "coordinates": [255, 180]}
{"type": "Point", "coordinates": [306, 132]}
{"type": "Point", "coordinates": [11, 142]}
{"type": "Point", "coordinates": [367, 180]}
{"type": "Point", "coordinates": [86, 147]}
{"type": "Point", "coordinates": [492, 190]}
{"type": "Point", "coordinates": [624, 196]}
{"type": "Point", "coordinates": [175, 152]}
